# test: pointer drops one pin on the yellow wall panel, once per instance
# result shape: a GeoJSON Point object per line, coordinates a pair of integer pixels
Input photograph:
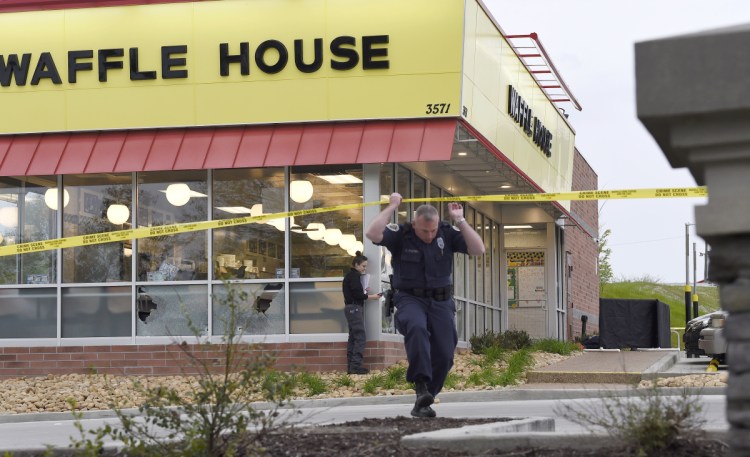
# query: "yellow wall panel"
{"type": "Point", "coordinates": [495, 68]}
{"type": "Point", "coordinates": [424, 54]}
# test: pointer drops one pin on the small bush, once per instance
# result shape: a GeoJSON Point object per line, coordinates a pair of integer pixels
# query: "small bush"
{"type": "Point", "coordinates": [480, 343]}
{"type": "Point", "coordinates": [516, 339]}
{"type": "Point", "coordinates": [648, 421]}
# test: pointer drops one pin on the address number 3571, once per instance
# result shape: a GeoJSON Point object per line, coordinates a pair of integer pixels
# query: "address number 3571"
{"type": "Point", "coordinates": [438, 108]}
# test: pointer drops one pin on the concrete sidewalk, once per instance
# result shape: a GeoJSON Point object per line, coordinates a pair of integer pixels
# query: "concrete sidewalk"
{"type": "Point", "coordinates": [617, 367]}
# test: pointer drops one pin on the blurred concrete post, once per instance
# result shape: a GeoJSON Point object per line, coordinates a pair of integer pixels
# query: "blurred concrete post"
{"type": "Point", "coordinates": [693, 96]}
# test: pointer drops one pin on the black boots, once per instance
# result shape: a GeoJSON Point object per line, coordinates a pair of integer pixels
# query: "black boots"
{"type": "Point", "coordinates": [424, 400]}
{"type": "Point", "coordinates": [357, 369]}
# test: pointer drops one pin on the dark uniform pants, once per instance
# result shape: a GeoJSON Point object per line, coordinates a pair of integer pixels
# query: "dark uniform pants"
{"type": "Point", "coordinates": [355, 347]}
{"type": "Point", "coordinates": [430, 337]}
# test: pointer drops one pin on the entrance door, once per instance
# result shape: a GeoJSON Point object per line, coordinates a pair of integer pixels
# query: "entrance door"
{"type": "Point", "coordinates": [527, 294]}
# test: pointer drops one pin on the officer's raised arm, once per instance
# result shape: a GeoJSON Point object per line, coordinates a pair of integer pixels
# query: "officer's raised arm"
{"type": "Point", "coordinates": [375, 230]}
{"type": "Point", "coordinates": [474, 242]}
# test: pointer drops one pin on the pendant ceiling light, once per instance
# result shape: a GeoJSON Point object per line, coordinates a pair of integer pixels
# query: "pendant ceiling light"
{"type": "Point", "coordinates": [315, 231]}
{"type": "Point", "coordinates": [347, 242]}
{"type": "Point", "coordinates": [9, 216]}
{"type": "Point", "coordinates": [332, 236]}
{"type": "Point", "coordinates": [300, 190]}
{"type": "Point", "coordinates": [50, 198]}
{"type": "Point", "coordinates": [118, 214]}
{"type": "Point", "coordinates": [178, 194]}
{"type": "Point", "coordinates": [256, 210]}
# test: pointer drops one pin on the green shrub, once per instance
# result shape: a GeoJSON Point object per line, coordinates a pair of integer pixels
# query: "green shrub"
{"type": "Point", "coordinates": [512, 340]}
{"type": "Point", "coordinates": [648, 421]}
{"type": "Point", "coordinates": [515, 339]}
{"type": "Point", "coordinates": [480, 343]}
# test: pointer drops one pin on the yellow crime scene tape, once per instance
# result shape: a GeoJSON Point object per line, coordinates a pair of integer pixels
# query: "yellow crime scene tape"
{"type": "Point", "coordinates": [173, 229]}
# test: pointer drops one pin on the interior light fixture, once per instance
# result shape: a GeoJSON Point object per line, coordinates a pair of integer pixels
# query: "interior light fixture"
{"type": "Point", "coordinates": [352, 252]}
{"type": "Point", "coordinates": [280, 223]}
{"type": "Point", "coordinates": [341, 179]}
{"type": "Point", "coordinates": [9, 216]}
{"type": "Point", "coordinates": [462, 153]}
{"type": "Point", "coordinates": [235, 209]}
{"type": "Point", "coordinates": [505, 186]}
{"type": "Point", "coordinates": [358, 246]}
{"type": "Point", "coordinates": [300, 190]}
{"type": "Point", "coordinates": [50, 198]}
{"type": "Point", "coordinates": [118, 214]}
{"type": "Point", "coordinates": [178, 194]}
{"type": "Point", "coordinates": [256, 210]}
{"type": "Point", "coordinates": [332, 236]}
{"type": "Point", "coordinates": [127, 252]}
{"type": "Point", "coordinates": [315, 231]}
{"type": "Point", "coordinates": [506, 227]}
{"type": "Point", "coordinates": [347, 242]}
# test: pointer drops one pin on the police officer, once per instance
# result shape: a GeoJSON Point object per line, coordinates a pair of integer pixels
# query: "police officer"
{"type": "Point", "coordinates": [422, 261]}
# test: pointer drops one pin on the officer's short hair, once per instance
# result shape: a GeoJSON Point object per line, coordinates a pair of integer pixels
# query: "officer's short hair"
{"type": "Point", "coordinates": [427, 212]}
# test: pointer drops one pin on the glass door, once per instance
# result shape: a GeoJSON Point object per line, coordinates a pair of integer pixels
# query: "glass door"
{"type": "Point", "coordinates": [527, 294]}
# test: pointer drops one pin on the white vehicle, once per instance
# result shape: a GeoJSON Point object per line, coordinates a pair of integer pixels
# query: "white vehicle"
{"type": "Point", "coordinates": [712, 340]}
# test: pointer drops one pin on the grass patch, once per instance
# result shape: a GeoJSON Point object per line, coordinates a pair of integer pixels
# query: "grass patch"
{"type": "Point", "coordinates": [372, 384]}
{"type": "Point", "coordinates": [343, 380]}
{"type": "Point", "coordinates": [554, 346]}
{"type": "Point", "coordinates": [314, 384]}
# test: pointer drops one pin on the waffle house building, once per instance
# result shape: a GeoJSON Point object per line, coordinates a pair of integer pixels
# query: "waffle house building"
{"type": "Point", "coordinates": [129, 114]}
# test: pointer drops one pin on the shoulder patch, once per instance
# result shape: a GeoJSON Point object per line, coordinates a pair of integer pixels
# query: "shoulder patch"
{"type": "Point", "coordinates": [393, 227]}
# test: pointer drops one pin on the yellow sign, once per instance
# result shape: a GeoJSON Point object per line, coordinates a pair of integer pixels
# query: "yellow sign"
{"type": "Point", "coordinates": [229, 62]}
{"type": "Point", "coordinates": [148, 232]}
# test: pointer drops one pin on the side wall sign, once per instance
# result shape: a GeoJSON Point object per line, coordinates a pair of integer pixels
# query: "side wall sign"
{"type": "Point", "coordinates": [521, 112]}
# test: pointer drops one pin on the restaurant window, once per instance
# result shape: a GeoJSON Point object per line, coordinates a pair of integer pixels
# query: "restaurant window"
{"type": "Point", "coordinates": [171, 310]}
{"type": "Point", "coordinates": [167, 198]}
{"type": "Point", "coordinates": [316, 308]}
{"type": "Point", "coordinates": [96, 312]}
{"type": "Point", "coordinates": [435, 193]}
{"type": "Point", "coordinates": [471, 261]}
{"type": "Point", "coordinates": [261, 312]}
{"type": "Point", "coordinates": [255, 250]}
{"type": "Point", "coordinates": [403, 187]}
{"type": "Point", "coordinates": [323, 244]}
{"type": "Point", "coordinates": [28, 313]}
{"type": "Point", "coordinates": [479, 260]}
{"type": "Point", "coordinates": [25, 216]}
{"type": "Point", "coordinates": [98, 204]}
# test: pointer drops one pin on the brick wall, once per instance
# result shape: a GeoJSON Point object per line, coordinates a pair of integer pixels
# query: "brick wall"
{"type": "Point", "coordinates": [172, 359]}
{"type": "Point", "coordinates": [583, 280]}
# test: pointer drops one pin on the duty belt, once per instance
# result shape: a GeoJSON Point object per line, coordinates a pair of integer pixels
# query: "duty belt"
{"type": "Point", "coordinates": [439, 293]}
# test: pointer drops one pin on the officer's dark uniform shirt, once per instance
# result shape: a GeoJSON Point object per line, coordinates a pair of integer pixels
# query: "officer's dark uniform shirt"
{"type": "Point", "coordinates": [417, 264]}
{"type": "Point", "coordinates": [354, 294]}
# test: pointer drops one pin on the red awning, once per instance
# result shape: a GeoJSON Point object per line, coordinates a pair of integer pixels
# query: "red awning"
{"type": "Point", "coordinates": [227, 147]}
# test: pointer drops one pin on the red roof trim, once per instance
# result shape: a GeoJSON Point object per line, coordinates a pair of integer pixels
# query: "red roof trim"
{"type": "Point", "coordinates": [227, 147]}
{"type": "Point", "coordinates": [8, 6]}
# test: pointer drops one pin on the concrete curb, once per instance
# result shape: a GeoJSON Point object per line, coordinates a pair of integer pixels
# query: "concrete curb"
{"type": "Point", "coordinates": [518, 394]}
{"type": "Point", "coordinates": [474, 439]}
{"type": "Point", "coordinates": [466, 435]}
